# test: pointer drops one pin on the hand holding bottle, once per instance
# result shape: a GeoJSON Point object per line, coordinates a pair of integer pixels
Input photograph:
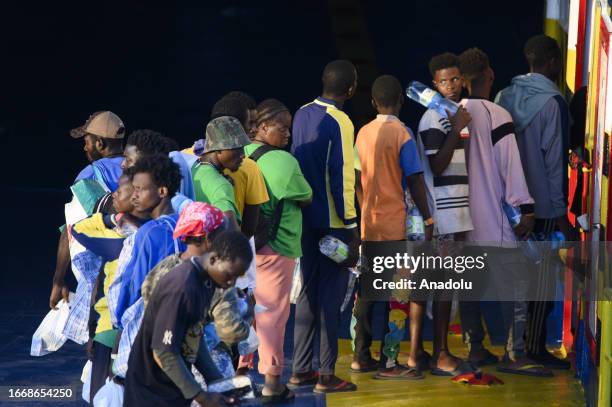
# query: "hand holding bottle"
{"type": "Point", "coordinates": [524, 228]}
{"type": "Point", "coordinates": [459, 120]}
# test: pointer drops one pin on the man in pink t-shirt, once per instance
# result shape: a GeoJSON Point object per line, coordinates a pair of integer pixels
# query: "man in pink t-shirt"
{"type": "Point", "coordinates": [495, 176]}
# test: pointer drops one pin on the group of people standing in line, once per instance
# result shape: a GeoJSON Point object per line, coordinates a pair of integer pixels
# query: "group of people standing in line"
{"type": "Point", "coordinates": [178, 230]}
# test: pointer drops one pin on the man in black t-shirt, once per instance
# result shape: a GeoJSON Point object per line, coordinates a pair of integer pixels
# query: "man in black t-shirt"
{"type": "Point", "coordinates": [159, 374]}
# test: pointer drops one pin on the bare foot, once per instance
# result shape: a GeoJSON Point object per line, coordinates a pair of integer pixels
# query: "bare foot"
{"type": "Point", "coordinates": [446, 361]}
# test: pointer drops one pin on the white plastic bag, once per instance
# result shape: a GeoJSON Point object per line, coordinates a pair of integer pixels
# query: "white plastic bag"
{"type": "Point", "coordinates": [109, 395]}
{"type": "Point", "coordinates": [247, 281]}
{"type": "Point", "coordinates": [86, 380]}
{"type": "Point", "coordinates": [296, 285]}
{"type": "Point", "coordinates": [49, 337]}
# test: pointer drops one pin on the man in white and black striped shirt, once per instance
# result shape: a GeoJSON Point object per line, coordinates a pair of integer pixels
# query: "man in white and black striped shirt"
{"type": "Point", "coordinates": [446, 179]}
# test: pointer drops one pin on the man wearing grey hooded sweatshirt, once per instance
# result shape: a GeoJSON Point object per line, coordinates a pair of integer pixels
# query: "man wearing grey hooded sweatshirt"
{"type": "Point", "coordinates": [541, 119]}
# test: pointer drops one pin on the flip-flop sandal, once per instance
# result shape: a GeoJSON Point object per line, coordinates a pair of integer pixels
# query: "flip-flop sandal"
{"type": "Point", "coordinates": [526, 370]}
{"type": "Point", "coordinates": [463, 368]}
{"type": "Point", "coordinates": [311, 381]}
{"type": "Point", "coordinates": [371, 366]}
{"type": "Point", "coordinates": [286, 395]}
{"type": "Point", "coordinates": [341, 387]}
{"type": "Point", "coordinates": [490, 359]}
{"type": "Point", "coordinates": [408, 373]}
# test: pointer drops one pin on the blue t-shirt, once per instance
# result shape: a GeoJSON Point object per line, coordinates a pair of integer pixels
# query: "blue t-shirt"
{"type": "Point", "coordinates": [108, 168]}
{"type": "Point", "coordinates": [153, 243]}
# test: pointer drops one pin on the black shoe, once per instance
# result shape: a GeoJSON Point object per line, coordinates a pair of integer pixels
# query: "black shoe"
{"type": "Point", "coordinates": [550, 361]}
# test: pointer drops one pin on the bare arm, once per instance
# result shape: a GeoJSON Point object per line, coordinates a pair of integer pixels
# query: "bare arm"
{"type": "Point", "coordinates": [250, 218]}
{"type": "Point", "coordinates": [304, 203]}
{"type": "Point", "coordinates": [60, 290]}
{"type": "Point", "coordinates": [358, 188]}
{"type": "Point", "coordinates": [233, 223]}
{"type": "Point", "coordinates": [439, 161]}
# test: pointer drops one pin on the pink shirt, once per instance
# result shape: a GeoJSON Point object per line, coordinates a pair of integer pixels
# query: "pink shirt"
{"type": "Point", "coordinates": [495, 172]}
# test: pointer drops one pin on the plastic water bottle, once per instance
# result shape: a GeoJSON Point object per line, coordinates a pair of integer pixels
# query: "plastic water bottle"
{"type": "Point", "coordinates": [415, 227]}
{"type": "Point", "coordinates": [431, 99]}
{"type": "Point", "coordinates": [353, 275]}
{"type": "Point", "coordinates": [530, 248]}
{"type": "Point", "coordinates": [334, 248]}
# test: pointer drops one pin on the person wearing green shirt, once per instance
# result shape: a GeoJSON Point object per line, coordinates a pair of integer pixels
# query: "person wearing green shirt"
{"type": "Point", "coordinates": [225, 139]}
{"type": "Point", "coordinates": [275, 261]}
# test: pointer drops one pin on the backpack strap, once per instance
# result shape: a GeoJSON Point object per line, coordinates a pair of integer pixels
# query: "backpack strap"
{"type": "Point", "coordinates": [261, 150]}
{"type": "Point", "coordinates": [278, 211]}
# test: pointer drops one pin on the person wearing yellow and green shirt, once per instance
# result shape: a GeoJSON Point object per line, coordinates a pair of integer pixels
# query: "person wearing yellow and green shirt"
{"type": "Point", "coordinates": [275, 261]}
{"type": "Point", "coordinates": [104, 235]}
{"type": "Point", "coordinates": [249, 186]}
{"type": "Point", "coordinates": [225, 139]}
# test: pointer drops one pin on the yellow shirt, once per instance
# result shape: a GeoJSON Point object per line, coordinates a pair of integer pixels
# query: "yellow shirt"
{"type": "Point", "coordinates": [249, 185]}
{"type": "Point", "coordinates": [101, 307]}
{"type": "Point", "coordinates": [98, 235]}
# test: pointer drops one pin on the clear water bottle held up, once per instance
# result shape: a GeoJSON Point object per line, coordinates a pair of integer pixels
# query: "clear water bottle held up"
{"type": "Point", "coordinates": [415, 227]}
{"type": "Point", "coordinates": [431, 99]}
{"type": "Point", "coordinates": [529, 247]}
{"type": "Point", "coordinates": [334, 248]}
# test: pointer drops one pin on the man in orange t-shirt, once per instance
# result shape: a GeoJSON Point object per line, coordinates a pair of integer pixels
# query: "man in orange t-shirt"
{"type": "Point", "coordinates": [388, 162]}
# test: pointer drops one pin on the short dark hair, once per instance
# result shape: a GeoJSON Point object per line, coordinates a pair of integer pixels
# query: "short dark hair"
{"type": "Point", "coordinates": [171, 144]}
{"type": "Point", "coordinates": [230, 106]}
{"type": "Point", "coordinates": [148, 142]}
{"type": "Point", "coordinates": [443, 61]}
{"type": "Point", "coordinates": [163, 171]}
{"type": "Point", "coordinates": [268, 109]}
{"type": "Point", "coordinates": [110, 143]}
{"type": "Point", "coordinates": [540, 49]}
{"type": "Point", "coordinates": [473, 63]}
{"type": "Point", "coordinates": [247, 99]}
{"type": "Point", "coordinates": [231, 245]}
{"type": "Point", "coordinates": [386, 91]}
{"type": "Point", "coordinates": [338, 77]}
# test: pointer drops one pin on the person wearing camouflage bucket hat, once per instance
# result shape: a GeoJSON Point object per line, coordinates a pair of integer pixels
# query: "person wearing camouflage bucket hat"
{"type": "Point", "coordinates": [225, 133]}
{"type": "Point", "coordinates": [223, 149]}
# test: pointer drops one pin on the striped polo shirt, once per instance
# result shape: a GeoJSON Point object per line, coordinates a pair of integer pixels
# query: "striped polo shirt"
{"type": "Point", "coordinates": [450, 188]}
{"type": "Point", "coordinates": [323, 137]}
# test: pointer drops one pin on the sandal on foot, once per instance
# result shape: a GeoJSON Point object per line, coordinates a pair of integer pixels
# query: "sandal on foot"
{"type": "Point", "coordinates": [341, 387]}
{"type": "Point", "coordinates": [285, 395]}
{"type": "Point", "coordinates": [463, 368]}
{"type": "Point", "coordinates": [306, 380]}
{"type": "Point", "coordinates": [369, 366]}
{"type": "Point", "coordinates": [526, 369]}
{"type": "Point", "coordinates": [489, 359]}
{"type": "Point", "coordinates": [399, 373]}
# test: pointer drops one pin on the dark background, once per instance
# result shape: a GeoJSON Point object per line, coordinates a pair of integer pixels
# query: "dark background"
{"type": "Point", "coordinates": [163, 68]}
